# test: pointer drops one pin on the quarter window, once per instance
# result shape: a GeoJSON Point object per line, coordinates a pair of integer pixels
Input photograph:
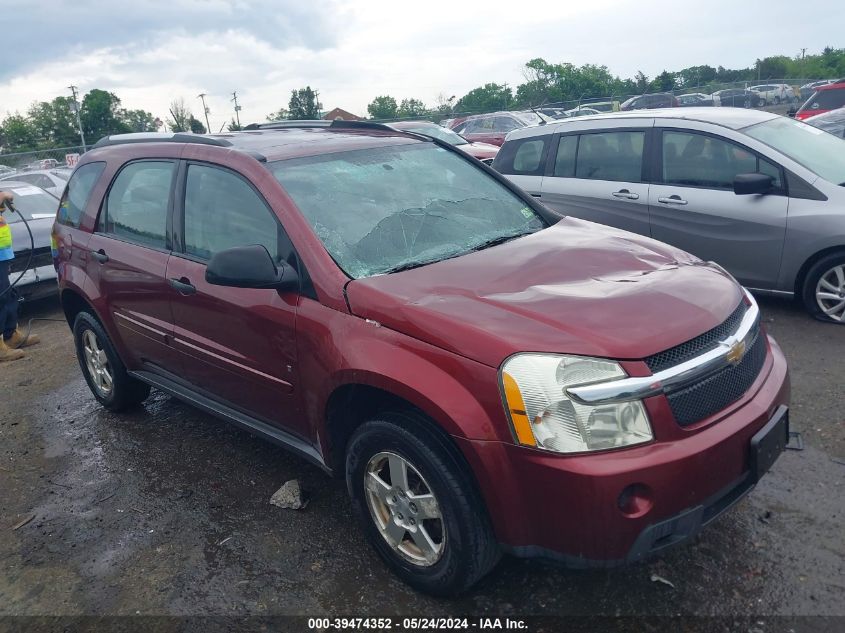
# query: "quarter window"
{"type": "Point", "coordinates": [136, 207]}
{"type": "Point", "coordinates": [611, 156]}
{"type": "Point", "coordinates": [523, 157]}
{"type": "Point", "coordinates": [697, 160]}
{"type": "Point", "coordinates": [223, 211]}
{"type": "Point", "coordinates": [75, 197]}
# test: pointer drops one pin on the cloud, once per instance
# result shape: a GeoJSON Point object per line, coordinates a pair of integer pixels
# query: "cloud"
{"type": "Point", "coordinates": [352, 51]}
{"type": "Point", "coordinates": [43, 31]}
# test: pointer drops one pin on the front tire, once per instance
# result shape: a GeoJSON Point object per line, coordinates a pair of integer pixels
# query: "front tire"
{"type": "Point", "coordinates": [418, 505]}
{"type": "Point", "coordinates": [104, 372]}
{"type": "Point", "coordinates": [824, 289]}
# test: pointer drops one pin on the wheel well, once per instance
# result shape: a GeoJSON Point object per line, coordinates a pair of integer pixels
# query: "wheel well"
{"type": "Point", "coordinates": [351, 405]}
{"type": "Point", "coordinates": [805, 268]}
{"type": "Point", "coordinates": [73, 304]}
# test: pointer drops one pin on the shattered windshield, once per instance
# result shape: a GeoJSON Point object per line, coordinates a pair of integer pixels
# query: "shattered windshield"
{"type": "Point", "coordinates": [387, 209]}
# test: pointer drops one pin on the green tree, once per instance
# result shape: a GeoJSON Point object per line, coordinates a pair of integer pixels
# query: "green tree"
{"type": "Point", "coordinates": [139, 121]}
{"type": "Point", "coordinates": [233, 126]}
{"type": "Point", "coordinates": [411, 108]}
{"type": "Point", "coordinates": [664, 82]}
{"type": "Point", "coordinates": [487, 98]}
{"type": "Point", "coordinates": [100, 115]}
{"type": "Point", "coordinates": [196, 126]}
{"type": "Point", "coordinates": [280, 115]}
{"type": "Point", "coordinates": [180, 116]}
{"type": "Point", "coordinates": [17, 134]}
{"type": "Point", "coordinates": [383, 107]}
{"type": "Point", "coordinates": [54, 122]}
{"type": "Point", "coordinates": [641, 82]}
{"type": "Point", "coordinates": [304, 104]}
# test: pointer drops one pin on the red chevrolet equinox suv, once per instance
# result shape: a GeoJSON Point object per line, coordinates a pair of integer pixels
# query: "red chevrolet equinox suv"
{"type": "Point", "coordinates": [487, 376]}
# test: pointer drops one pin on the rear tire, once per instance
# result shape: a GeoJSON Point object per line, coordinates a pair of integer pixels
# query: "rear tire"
{"type": "Point", "coordinates": [104, 372]}
{"type": "Point", "coordinates": [459, 547]}
{"type": "Point", "coordinates": [823, 293]}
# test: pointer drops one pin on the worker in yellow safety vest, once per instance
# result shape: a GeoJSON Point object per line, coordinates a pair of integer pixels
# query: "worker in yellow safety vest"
{"type": "Point", "coordinates": [13, 339]}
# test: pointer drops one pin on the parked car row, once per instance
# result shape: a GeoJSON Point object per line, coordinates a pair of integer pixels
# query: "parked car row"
{"type": "Point", "coordinates": [486, 375]}
{"type": "Point", "coordinates": [716, 183]}
{"type": "Point", "coordinates": [52, 181]}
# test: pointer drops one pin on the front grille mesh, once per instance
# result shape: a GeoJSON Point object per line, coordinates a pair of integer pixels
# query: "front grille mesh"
{"type": "Point", "coordinates": [703, 399]}
{"type": "Point", "coordinates": [699, 345]}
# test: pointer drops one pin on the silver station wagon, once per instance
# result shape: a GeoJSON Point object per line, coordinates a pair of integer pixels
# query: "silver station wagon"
{"type": "Point", "coordinates": [758, 193]}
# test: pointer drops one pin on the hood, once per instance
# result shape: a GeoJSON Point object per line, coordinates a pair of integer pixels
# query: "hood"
{"type": "Point", "coordinates": [576, 288]}
{"type": "Point", "coordinates": [41, 231]}
{"type": "Point", "coordinates": [480, 150]}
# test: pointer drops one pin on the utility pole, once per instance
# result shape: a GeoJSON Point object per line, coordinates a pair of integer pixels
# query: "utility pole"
{"type": "Point", "coordinates": [237, 108]}
{"type": "Point", "coordinates": [75, 108]}
{"type": "Point", "coordinates": [205, 110]}
{"type": "Point", "coordinates": [803, 66]}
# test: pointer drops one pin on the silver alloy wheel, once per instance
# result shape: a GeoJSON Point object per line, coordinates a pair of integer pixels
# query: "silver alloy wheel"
{"type": "Point", "coordinates": [830, 293]}
{"type": "Point", "coordinates": [404, 509]}
{"type": "Point", "coordinates": [97, 363]}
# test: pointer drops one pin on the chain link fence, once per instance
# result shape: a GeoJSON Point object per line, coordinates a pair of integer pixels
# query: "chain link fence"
{"type": "Point", "coordinates": [22, 162]}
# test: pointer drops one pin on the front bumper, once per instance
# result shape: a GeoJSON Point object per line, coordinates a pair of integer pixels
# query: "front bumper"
{"type": "Point", "coordinates": [567, 507]}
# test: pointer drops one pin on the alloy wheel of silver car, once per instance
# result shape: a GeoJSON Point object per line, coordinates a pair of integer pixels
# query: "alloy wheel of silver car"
{"type": "Point", "coordinates": [404, 509]}
{"type": "Point", "coordinates": [97, 363]}
{"type": "Point", "coordinates": [830, 293]}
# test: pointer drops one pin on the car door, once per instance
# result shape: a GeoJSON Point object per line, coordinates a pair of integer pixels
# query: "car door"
{"type": "Point", "coordinates": [127, 262]}
{"type": "Point", "coordinates": [692, 205]}
{"type": "Point", "coordinates": [239, 344]}
{"type": "Point", "coordinates": [597, 175]}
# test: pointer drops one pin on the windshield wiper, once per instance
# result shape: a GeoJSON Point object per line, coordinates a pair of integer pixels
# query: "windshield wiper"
{"type": "Point", "coordinates": [501, 239]}
{"type": "Point", "coordinates": [408, 266]}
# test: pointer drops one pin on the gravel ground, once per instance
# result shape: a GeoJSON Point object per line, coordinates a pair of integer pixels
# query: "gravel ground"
{"type": "Point", "coordinates": [164, 511]}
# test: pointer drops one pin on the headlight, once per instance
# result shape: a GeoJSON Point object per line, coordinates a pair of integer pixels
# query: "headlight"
{"type": "Point", "coordinates": [542, 414]}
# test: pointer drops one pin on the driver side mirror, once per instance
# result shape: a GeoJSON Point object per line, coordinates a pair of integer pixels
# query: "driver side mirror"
{"type": "Point", "coordinates": [250, 267]}
{"type": "Point", "coordinates": [749, 184]}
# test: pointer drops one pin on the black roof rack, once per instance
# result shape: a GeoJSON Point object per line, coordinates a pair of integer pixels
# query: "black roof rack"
{"type": "Point", "coordinates": [320, 123]}
{"type": "Point", "coordinates": [160, 137]}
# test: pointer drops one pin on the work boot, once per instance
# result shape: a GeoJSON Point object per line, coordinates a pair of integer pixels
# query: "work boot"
{"type": "Point", "coordinates": [18, 340]}
{"type": "Point", "coordinates": [7, 353]}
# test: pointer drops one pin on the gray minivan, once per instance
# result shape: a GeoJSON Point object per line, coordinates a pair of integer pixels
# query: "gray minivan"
{"type": "Point", "coordinates": [761, 194]}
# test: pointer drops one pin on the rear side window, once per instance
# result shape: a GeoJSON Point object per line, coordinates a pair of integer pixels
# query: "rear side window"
{"type": "Point", "coordinates": [136, 206]}
{"type": "Point", "coordinates": [223, 211]}
{"type": "Point", "coordinates": [826, 100]}
{"type": "Point", "coordinates": [523, 157]}
{"type": "Point", "coordinates": [77, 194]}
{"type": "Point", "coordinates": [611, 156]}
{"type": "Point", "coordinates": [698, 160]}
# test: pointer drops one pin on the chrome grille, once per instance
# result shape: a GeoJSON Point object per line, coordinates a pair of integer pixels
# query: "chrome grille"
{"type": "Point", "coordinates": [701, 400]}
{"type": "Point", "coordinates": [700, 344]}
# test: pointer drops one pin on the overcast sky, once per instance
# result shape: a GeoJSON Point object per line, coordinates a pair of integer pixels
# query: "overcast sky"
{"type": "Point", "coordinates": [150, 52]}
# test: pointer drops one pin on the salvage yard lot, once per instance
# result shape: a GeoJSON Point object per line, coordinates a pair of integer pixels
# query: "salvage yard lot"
{"type": "Point", "coordinates": [165, 510]}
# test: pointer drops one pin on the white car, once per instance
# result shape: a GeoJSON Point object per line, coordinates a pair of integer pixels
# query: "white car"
{"type": "Point", "coordinates": [774, 93]}
{"type": "Point", "coordinates": [52, 181]}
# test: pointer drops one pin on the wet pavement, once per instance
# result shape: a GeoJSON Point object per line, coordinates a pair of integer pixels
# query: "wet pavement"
{"type": "Point", "coordinates": [165, 510]}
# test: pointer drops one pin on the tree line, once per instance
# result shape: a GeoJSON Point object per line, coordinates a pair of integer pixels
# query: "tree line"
{"type": "Point", "coordinates": [51, 124]}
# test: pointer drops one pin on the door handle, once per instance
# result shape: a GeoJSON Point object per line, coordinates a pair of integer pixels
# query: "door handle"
{"type": "Point", "coordinates": [536, 195]}
{"type": "Point", "coordinates": [183, 286]}
{"type": "Point", "coordinates": [672, 200]}
{"type": "Point", "coordinates": [627, 195]}
{"type": "Point", "coordinates": [100, 256]}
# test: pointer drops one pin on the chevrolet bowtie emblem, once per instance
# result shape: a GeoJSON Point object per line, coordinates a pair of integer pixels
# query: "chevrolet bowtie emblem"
{"type": "Point", "coordinates": [736, 353]}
